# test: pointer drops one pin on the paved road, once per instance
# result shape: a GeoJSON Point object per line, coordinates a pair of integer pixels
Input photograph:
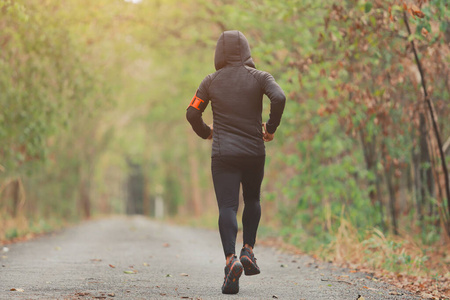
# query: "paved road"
{"type": "Point", "coordinates": [89, 261]}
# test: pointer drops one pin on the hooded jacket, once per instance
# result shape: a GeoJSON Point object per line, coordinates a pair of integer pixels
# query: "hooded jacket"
{"type": "Point", "coordinates": [236, 92]}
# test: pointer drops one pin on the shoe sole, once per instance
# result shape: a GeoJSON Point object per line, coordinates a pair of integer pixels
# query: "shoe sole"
{"type": "Point", "coordinates": [249, 267]}
{"type": "Point", "coordinates": [231, 284]}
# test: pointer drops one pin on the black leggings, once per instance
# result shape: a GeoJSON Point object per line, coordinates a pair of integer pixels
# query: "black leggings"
{"type": "Point", "coordinates": [228, 173]}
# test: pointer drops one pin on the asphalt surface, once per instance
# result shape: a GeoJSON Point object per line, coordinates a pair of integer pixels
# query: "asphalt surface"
{"type": "Point", "coordinates": [137, 258]}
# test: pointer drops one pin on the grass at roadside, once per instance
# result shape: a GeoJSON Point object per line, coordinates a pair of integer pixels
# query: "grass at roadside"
{"type": "Point", "coordinates": [20, 228]}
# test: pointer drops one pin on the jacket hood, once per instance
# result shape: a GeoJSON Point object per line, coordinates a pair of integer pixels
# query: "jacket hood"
{"type": "Point", "coordinates": [232, 49]}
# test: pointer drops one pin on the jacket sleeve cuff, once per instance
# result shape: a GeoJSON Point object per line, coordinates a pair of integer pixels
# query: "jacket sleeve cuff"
{"type": "Point", "coordinates": [271, 128]}
{"type": "Point", "coordinates": [206, 132]}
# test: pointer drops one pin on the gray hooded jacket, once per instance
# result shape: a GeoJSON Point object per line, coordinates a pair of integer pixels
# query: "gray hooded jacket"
{"type": "Point", "coordinates": [236, 92]}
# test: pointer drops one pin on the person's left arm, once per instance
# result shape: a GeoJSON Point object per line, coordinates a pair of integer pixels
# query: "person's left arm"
{"type": "Point", "coordinates": [196, 108]}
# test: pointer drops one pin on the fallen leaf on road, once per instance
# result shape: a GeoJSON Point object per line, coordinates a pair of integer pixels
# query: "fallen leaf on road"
{"type": "Point", "coordinates": [283, 266]}
{"type": "Point", "coordinates": [17, 290]}
{"type": "Point", "coordinates": [130, 272]}
{"type": "Point", "coordinates": [112, 266]}
{"type": "Point", "coordinates": [344, 281]}
{"type": "Point", "coordinates": [275, 297]}
{"type": "Point", "coordinates": [145, 264]}
{"type": "Point", "coordinates": [111, 295]}
{"type": "Point", "coordinates": [96, 259]}
{"type": "Point", "coordinates": [166, 245]}
{"type": "Point", "coordinates": [395, 293]}
{"type": "Point", "coordinates": [57, 248]}
{"type": "Point", "coordinates": [360, 298]}
{"type": "Point", "coordinates": [168, 275]}
{"type": "Point", "coordinates": [184, 274]}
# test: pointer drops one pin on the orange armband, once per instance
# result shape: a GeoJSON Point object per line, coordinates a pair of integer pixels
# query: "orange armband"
{"type": "Point", "coordinates": [196, 102]}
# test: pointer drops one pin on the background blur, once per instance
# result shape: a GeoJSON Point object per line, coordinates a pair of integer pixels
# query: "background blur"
{"type": "Point", "coordinates": [92, 118]}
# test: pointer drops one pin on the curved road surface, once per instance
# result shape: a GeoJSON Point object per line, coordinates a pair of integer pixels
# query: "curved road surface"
{"type": "Point", "coordinates": [137, 258]}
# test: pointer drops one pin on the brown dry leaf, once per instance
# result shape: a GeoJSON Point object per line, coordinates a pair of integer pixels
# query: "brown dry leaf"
{"type": "Point", "coordinates": [360, 298]}
{"type": "Point", "coordinates": [96, 259]}
{"type": "Point", "coordinates": [112, 266]}
{"type": "Point", "coordinates": [427, 296]}
{"type": "Point", "coordinates": [416, 11]}
{"type": "Point", "coordinates": [424, 31]}
{"type": "Point", "coordinates": [166, 245]}
{"type": "Point", "coordinates": [111, 295]}
{"type": "Point", "coordinates": [395, 293]}
{"type": "Point", "coordinates": [17, 290]}
{"type": "Point", "coordinates": [130, 272]}
{"type": "Point", "coordinates": [184, 274]}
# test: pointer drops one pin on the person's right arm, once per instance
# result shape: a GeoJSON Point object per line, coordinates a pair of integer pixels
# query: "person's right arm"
{"type": "Point", "coordinates": [195, 111]}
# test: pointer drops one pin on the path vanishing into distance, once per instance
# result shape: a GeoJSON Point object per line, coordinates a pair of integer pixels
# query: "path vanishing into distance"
{"type": "Point", "coordinates": [138, 258]}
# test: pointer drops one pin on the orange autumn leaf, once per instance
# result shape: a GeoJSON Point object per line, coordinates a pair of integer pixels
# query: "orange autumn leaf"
{"type": "Point", "coordinates": [417, 12]}
{"type": "Point", "coordinates": [321, 111]}
{"type": "Point", "coordinates": [424, 32]}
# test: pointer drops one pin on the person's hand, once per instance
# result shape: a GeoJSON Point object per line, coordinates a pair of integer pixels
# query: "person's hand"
{"type": "Point", "coordinates": [210, 136]}
{"type": "Point", "coordinates": [267, 137]}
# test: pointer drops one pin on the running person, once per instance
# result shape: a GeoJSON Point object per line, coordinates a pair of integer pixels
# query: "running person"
{"type": "Point", "coordinates": [236, 91]}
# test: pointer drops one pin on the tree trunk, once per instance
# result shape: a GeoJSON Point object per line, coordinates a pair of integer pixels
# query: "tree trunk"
{"type": "Point", "coordinates": [392, 207]}
{"type": "Point", "coordinates": [16, 197]}
{"type": "Point", "coordinates": [371, 163]}
{"type": "Point", "coordinates": [84, 196]}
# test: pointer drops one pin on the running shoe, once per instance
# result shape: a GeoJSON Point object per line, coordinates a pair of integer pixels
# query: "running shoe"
{"type": "Point", "coordinates": [233, 271]}
{"type": "Point", "coordinates": [248, 260]}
